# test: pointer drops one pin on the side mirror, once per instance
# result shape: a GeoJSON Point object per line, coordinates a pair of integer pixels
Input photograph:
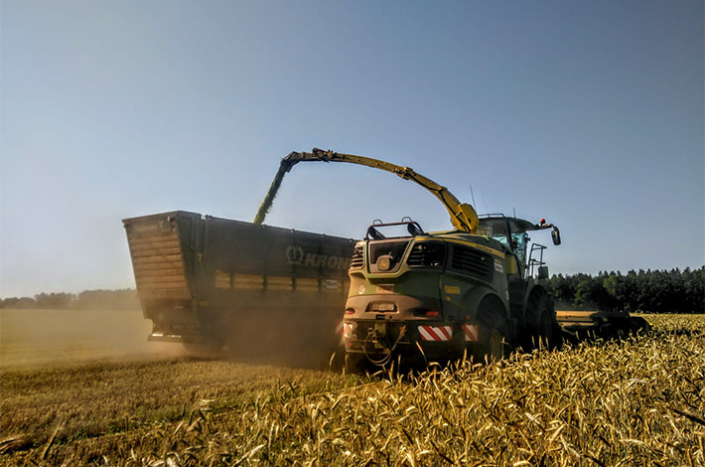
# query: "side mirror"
{"type": "Point", "coordinates": [556, 236]}
{"type": "Point", "coordinates": [543, 272]}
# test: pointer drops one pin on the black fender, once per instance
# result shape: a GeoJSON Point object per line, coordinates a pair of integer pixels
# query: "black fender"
{"type": "Point", "coordinates": [472, 299]}
{"type": "Point", "coordinates": [532, 327]}
{"type": "Point", "coordinates": [531, 289]}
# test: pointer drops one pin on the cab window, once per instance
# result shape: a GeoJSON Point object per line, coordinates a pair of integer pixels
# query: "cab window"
{"type": "Point", "coordinates": [496, 229]}
{"type": "Point", "coordinates": [520, 241]}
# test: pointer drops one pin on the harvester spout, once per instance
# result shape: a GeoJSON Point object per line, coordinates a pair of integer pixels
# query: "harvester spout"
{"type": "Point", "coordinates": [462, 215]}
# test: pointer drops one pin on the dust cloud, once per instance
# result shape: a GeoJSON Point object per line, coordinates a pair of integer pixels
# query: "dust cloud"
{"type": "Point", "coordinates": [38, 338]}
{"type": "Point", "coordinates": [294, 338]}
{"type": "Point", "coordinates": [59, 337]}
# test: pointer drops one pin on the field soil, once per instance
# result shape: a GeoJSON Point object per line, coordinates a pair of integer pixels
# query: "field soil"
{"type": "Point", "coordinates": [87, 389]}
{"type": "Point", "coordinates": [60, 337]}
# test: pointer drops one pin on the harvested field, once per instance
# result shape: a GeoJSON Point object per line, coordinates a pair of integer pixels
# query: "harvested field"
{"type": "Point", "coordinates": [51, 337]}
{"type": "Point", "coordinates": [639, 401]}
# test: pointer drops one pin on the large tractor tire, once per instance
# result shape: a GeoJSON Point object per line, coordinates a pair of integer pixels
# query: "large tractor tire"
{"type": "Point", "coordinates": [492, 342]}
{"type": "Point", "coordinates": [541, 328]}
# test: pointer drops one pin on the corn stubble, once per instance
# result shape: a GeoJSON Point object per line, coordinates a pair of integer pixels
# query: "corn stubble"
{"type": "Point", "coordinates": [640, 401]}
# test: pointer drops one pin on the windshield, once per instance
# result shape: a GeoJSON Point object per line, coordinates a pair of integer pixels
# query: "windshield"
{"type": "Point", "coordinates": [494, 228]}
{"type": "Point", "coordinates": [392, 250]}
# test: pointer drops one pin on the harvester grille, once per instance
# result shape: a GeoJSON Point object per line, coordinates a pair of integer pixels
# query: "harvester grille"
{"type": "Point", "coordinates": [472, 262]}
{"type": "Point", "coordinates": [358, 259]}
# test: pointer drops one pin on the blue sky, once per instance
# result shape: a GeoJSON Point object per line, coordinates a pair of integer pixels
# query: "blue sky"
{"type": "Point", "coordinates": [589, 114]}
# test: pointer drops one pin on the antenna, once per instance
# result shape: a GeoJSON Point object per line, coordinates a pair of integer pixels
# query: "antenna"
{"type": "Point", "coordinates": [473, 196]}
{"type": "Point", "coordinates": [485, 203]}
{"type": "Point", "coordinates": [514, 210]}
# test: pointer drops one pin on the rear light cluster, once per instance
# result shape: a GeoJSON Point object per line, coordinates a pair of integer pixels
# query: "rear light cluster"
{"type": "Point", "coordinates": [427, 254]}
{"type": "Point", "coordinates": [427, 313]}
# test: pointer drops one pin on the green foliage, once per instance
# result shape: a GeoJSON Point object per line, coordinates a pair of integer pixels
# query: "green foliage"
{"type": "Point", "coordinates": [672, 291]}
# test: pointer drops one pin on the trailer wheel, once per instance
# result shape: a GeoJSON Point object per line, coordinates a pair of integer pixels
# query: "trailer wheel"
{"type": "Point", "coordinates": [541, 325]}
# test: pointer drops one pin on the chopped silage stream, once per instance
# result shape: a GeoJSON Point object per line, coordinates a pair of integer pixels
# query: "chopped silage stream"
{"type": "Point", "coordinates": [638, 402]}
{"type": "Point", "coordinates": [270, 196]}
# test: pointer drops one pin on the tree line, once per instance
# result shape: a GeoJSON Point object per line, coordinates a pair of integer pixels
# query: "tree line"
{"type": "Point", "coordinates": [123, 299]}
{"type": "Point", "coordinates": [673, 291]}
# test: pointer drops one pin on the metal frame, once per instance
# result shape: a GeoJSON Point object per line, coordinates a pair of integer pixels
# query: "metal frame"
{"type": "Point", "coordinates": [532, 262]}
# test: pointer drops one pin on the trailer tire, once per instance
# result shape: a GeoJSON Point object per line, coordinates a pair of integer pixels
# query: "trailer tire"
{"type": "Point", "coordinates": [542, 330]}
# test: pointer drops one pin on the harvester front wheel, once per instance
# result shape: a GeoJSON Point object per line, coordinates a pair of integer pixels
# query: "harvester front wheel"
{"type": "Point", "coordinates": [492, 340]}
{"type": "Point", "coordinates": [541, 325]}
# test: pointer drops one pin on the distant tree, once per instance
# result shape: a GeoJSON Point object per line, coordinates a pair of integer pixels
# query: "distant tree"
{"type": "Point", "coordinates": [592, 294]}
{"type": "Point", "coordinates": [125, 299]}
{"type": "Point", "coordinates": [673, 291]}
{"type": "Point", "coordinates": [55, 301]}
{"type": "Point", "coordinates": [18, 303]}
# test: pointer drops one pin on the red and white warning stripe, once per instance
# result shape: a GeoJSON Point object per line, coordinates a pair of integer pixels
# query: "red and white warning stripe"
{"type": "Point", "coordinates": [471, 332]}
{"type": "Point", "coordinates": [436, 333]}
{"type": "Point", "coordinates": [339, 328]}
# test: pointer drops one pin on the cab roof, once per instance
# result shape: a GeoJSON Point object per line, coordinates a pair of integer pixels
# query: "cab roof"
{"type": "Point", "coordinates": [522, 224]}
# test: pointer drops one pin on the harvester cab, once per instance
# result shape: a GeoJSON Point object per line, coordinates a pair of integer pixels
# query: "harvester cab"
{"type": "Point", "coordinates": [477, 288]}
{"type": "Point", "coordinates": [513, 234]}
{"type": "Point", "coordinates": [439, 295]}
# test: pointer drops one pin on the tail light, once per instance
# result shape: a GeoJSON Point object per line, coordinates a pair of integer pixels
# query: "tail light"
{"type": "Point", "coordinates": [348, 330]}
{"type": "Point", "coordinates": [427, 313]}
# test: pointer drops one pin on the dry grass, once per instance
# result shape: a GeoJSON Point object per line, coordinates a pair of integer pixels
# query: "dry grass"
{"type": "Point", "coordinates": [635, 402]}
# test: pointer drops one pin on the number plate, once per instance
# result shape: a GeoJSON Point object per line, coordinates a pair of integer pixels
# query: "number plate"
{"type": "Point", "coordinates": [386, 306]}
